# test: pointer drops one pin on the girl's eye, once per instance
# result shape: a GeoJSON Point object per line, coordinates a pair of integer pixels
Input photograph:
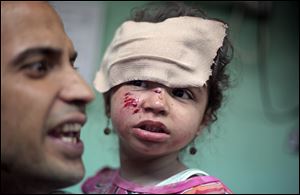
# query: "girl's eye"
{"type": "Point", "coordinates": [138, 83]}
{"type": "Point", "coordinates": [182, 93]}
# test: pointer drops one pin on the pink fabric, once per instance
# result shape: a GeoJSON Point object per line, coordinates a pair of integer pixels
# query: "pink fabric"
{"type": "Point", "coordinates": [108, 181]}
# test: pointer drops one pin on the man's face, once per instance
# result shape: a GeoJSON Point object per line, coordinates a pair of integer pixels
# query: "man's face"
{"type": "Point", "coordinates": [42, 97]}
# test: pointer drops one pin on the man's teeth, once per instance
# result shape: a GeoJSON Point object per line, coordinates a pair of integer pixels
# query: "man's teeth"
{"type": "Point", "coordinates": [69, 132]}
{"type": "Point", "coordinates": [71, 127]}
{"type": "Point", "coordinates": [72, 140]}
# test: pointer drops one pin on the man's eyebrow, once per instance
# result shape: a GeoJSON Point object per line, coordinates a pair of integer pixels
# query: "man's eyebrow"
{"type": "Point", "coordinates": [47, 51]}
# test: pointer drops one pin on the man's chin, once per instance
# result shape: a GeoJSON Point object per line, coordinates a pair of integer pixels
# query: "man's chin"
{"type": "Point", "coordinates": [42, 180]}
{"type": "Point", "coordinates": [72, 175]}
{"type": "Point", "coordinates": [65, 174]}
{"type": "Point", "coordinates": [66, 179]}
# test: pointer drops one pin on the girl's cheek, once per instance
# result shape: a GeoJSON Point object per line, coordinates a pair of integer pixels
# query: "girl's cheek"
{"type": "Point", "coordinates": [125, 106]}
{"type": "Point", "coordinates": [130, 103]}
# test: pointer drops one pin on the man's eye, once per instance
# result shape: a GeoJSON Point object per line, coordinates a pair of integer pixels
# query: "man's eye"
{"type": "Point", "coordinates": [72, 61]}
{"type": "Point", "coordinates": [37, 69]}
{"type": "Point", "coordinates": [182, 93]}
{"type": "Point", "coordinates": [75, 67]}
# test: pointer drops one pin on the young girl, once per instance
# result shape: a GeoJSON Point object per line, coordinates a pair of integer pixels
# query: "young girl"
{"type": "Point", "coordinates": [162, 78]}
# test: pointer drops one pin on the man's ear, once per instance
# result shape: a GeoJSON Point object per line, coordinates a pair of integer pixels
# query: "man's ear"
{"type": "Point", "coordinates": [106, 97]}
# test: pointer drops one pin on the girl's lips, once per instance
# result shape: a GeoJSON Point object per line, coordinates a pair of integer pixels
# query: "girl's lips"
{"type": "Point", "coordinates": [153, 126]}
{"type": "Point", "coordinates": [150, 136]}
{"type": "Point", "coordinates": [152, 131]}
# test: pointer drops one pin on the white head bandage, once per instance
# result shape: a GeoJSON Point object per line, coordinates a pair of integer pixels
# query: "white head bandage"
{"type": "Point", "coordinates": [177, 52]}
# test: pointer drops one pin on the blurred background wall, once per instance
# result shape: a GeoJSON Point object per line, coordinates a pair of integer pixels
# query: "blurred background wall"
{"type": "Point", "coordinates": [254, 145]}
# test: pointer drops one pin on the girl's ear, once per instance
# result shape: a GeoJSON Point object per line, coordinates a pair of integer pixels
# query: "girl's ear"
{"type": "Point", "coordinates": [106, 97]}
{"type": "Point", "coordinates": [205, 121]}
{"type": "Point", "coordinates": [207, 118]}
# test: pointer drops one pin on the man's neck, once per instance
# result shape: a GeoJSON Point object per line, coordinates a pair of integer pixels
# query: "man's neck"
{"type": "Point", "coordinates": [13, 184]}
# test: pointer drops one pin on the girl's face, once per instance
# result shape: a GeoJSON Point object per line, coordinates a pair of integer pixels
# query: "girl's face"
{"type": "Point", "coordinates": [155, 120]}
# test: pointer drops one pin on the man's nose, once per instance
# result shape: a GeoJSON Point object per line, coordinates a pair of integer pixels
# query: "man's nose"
{"type": "Point", "coordinates": [75, 89]}
{"type": "Point", "coordinates": [156, 101]}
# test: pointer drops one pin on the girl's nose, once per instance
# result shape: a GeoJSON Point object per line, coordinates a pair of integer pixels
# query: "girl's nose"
{"type": "Point", "coordinates": [156, 101]}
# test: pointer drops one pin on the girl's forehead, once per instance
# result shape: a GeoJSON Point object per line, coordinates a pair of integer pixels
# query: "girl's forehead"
{"type": "Point", "coordinates": [160, 53]}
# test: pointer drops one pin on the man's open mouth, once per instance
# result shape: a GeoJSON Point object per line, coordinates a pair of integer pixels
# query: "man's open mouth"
{"type": "Point", "coordinates": [67, 132]}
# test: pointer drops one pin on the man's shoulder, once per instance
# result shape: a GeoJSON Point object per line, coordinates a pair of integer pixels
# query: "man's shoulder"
{"type": "Point", "coordinates": [60, 192]}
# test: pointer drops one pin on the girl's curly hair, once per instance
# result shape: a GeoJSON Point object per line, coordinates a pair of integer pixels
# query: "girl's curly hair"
{"type": "Point", "coordinates": [219, 81]}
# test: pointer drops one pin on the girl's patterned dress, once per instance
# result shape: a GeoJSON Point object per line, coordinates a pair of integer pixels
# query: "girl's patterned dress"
{"type": "Point", "coordinates": [190, 181]}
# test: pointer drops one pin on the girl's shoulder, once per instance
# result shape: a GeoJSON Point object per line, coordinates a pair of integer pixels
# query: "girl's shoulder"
{"type": "Point", "coordinates": [195, 181]}
{"type": "Point", "coordinates": [102, 179]}
{"type": "Point", "coordinates": [207, 185]}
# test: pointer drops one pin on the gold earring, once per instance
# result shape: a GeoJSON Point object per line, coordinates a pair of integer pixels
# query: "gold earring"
{"type": "Point", "coordinates": [193, 149]}
{"type": "Point", "coordinates": [107, 130]}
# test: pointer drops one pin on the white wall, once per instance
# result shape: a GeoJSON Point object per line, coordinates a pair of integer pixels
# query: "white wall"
{"type": "Point", "coordinates": [84, 23]}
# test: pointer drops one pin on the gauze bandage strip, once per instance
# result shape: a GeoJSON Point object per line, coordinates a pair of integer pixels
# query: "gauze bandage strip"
{"type": "Point", "coordinates": [177, 52]}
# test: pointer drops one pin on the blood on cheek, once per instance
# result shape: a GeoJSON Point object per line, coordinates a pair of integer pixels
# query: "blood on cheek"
{"type": "Point", "coordinates": [131, 102]}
